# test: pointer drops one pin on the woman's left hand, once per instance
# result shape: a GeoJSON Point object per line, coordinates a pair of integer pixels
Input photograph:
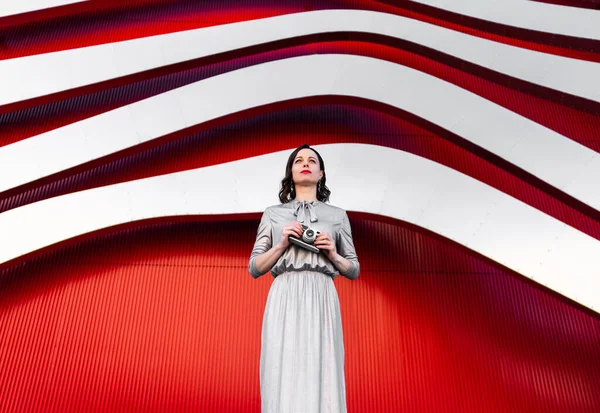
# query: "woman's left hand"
{"type": "Point", "coordinates": [325, 243]}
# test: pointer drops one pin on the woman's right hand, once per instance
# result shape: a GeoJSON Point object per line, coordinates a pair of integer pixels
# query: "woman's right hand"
{"type": "Point", "coordinates": [293, 228]}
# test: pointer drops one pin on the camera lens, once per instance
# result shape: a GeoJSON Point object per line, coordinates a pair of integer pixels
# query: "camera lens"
{"type": "Point", "coordinates": [309, 236]}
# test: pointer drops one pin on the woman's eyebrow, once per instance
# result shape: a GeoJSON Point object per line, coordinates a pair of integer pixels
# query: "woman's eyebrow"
{"type": "Point", "coordinates": [300, 157]}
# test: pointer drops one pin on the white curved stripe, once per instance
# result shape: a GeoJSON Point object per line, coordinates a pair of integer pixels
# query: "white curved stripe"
{"type": "Point", "coordinates": [11, 7]}
{"type": "Point", "coordinates": [39, 75]}
{"type": "Point", "coordinates": [543, 17]}
{"type": "Point", "coordinates": [363, 178]}
{"type": "Point", "coordinates": [560, 162]}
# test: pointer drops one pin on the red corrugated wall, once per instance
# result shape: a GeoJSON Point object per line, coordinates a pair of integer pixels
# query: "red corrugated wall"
{"type": "Point", "coordinates": [166, 318]}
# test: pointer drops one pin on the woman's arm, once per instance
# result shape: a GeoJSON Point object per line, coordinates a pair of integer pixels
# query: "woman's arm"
{"type": "Point", "coordinates": [266, 260]}
{"type": "Point", "coordinates": [261, 245]}
{"type": "Point", "coordinates": [263, 256]}
{"type": "Point", "coordinates": [349, 266]}
{"type": "Point", "coordinates": [342, 264]}
{"type": "Point", "coordinates": [346, 261]}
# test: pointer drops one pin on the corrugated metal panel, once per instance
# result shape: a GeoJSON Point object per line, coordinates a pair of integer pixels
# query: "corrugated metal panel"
{"type": "Point", "coordinates": [166, 317]}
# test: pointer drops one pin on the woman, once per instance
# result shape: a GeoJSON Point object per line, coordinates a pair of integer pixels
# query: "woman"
{"type": "Point", "coordinates": [302, 351]}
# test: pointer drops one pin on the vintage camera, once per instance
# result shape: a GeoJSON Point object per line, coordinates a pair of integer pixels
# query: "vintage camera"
{"type": "Point", "coordinates": [307, 240]}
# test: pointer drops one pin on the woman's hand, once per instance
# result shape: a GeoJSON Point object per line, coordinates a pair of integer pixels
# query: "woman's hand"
{"type": "Point", "coordinates": [293, 228]}
{"type": "Point", "coordinates": [325, 243]}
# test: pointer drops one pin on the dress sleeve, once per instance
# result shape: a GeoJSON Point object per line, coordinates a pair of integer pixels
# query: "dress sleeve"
{"type": "Point", "coordinates": [262, 244]}
{"type": "Point", "coordinates": [345, 247]}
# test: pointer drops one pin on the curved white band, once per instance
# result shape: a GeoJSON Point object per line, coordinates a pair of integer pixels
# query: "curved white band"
{"type": "Point", "coordinates": [9, 8]}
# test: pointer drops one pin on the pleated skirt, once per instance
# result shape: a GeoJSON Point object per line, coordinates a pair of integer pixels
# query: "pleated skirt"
{"type": "Point", "coordinates": [302, 347]}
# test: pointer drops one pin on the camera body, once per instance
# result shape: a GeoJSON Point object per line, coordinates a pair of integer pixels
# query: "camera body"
{"type": "Point", "coordinates": [309, 235]}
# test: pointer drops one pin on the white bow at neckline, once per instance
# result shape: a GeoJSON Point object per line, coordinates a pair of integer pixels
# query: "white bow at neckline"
{"type": "Point", "coordinates": [302, 208]}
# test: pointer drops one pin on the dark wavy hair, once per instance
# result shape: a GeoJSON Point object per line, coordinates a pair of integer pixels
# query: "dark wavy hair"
{"type": "Point", "coordinates": [287, 192]}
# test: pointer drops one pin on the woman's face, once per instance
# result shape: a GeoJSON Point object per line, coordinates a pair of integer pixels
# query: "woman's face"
{"type": "Point", "coordinates": [306, 169]}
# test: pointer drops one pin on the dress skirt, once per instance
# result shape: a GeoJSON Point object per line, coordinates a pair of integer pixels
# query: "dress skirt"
{"type": "Point", "coordinates": [302, 347]}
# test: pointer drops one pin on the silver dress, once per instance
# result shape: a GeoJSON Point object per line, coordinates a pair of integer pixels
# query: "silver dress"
{"type": "Point", "coordinates": [302, 347]}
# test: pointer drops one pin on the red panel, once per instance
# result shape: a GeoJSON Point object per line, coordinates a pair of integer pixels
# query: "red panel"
{"type": "Point", "coordinates": [167, 318]}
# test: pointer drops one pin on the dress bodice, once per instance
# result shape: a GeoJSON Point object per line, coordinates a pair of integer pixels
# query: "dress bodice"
{"type": "Point", "coordinates": [317, 215]}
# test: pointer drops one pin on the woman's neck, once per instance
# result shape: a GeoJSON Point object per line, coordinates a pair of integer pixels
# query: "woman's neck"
{"type": "Point", "coordinates": [306, 193]}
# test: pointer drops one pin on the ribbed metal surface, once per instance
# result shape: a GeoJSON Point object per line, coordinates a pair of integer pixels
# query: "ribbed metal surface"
{"type": "Point", "coordinates": [167, 318]}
